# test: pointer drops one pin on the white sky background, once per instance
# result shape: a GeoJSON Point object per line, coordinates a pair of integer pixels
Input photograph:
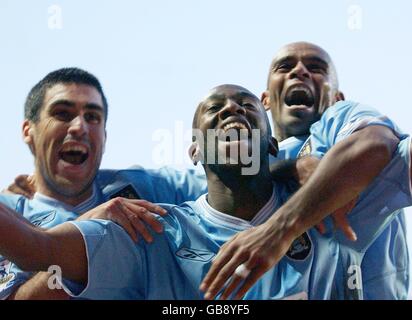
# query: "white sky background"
{"type": "Point", "coordinates": [156, 59]}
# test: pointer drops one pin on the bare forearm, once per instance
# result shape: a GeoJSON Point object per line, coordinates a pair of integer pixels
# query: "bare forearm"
{"type": "Point", "coordinates": [37, 288]}
{"type": "Point", "coordinates": [34, 249]}
{"type": "Point", "coordinates": [344, 172]}
{"type": "Point", "coordinates": [19, 240]}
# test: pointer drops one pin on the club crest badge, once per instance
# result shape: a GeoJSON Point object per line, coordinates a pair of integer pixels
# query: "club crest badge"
{"type": "Point", "coordinates": [306, 149]}
{"type": "Point", "coordinates": [127, 192]}
{"type": "Point", "coordinates": [5, 275]}
{"type": "Point", "coordinates": [300, 248]}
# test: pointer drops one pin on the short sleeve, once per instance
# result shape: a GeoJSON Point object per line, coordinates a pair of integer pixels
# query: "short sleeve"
{"type": "Point", "coordinates": [113, 263]}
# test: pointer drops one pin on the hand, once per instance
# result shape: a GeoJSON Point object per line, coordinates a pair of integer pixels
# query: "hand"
{"type": "Point", "coordinates": [131, 214]}
{"type": "Point", "coordinates": [258, 249]}
{"type": "Point", "coordinates": [305, 167]}
{"type": "Point", "coordinates": [325, 98]}
{"type": "Point", "coordinates": [24, 185]}
{"type": "Point", "coordinates": [341, 222]}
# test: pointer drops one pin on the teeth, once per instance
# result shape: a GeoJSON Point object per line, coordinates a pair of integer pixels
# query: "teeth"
{"type": "Point", "coordinates": [304, 89]}
{"type": "Point", "coordinates": [234, 125]}
{"type": "Point", "coordinates": [74, 148]}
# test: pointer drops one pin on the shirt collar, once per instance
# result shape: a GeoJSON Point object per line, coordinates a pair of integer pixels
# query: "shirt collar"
{"type": "Point", "coordinates": [81, 208]}
{"type": "Point", "coordinates": [234, 222]}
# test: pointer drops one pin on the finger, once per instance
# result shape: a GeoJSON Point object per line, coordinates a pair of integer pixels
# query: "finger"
{"type": "Point", "coordinates": [124, 222]}
{"type": "Point", "coordinates": [31, 180]}
{"type": "Point", "coordinates": [349, 233]}
{"type": "Point", "coordinates": [321, 227]}
{"type": "Point", "coordinates": [324, 98]}
{"type": "Point", "coordinates": [344, 225]}
{"type": "Point", "coordinates": [31, 183]}
{"type": "Point", "coordinates": [222, 277]}
{"type": "Point", "coordinates": [138, 226]}
{"type": "Point", "coordinates": [149, 206]}
{"type": "Point", "coordinates": [222, 257]}
{"type": "Point", "coordinates": [233, 284]}
{"type": "Point", "coordinates": [21, 179]}
{"type": "Point", "coordinates": [147, 217]}
{"type": "Point", "coordinates": [254, 276]}
{"type": "Point", "coordinates": [341, 222]}
{"type": "Point", "coordinates": [24, 183]}
{"type": "Point", "coordinates": [13, 189]}
{"type": "Point", "coordinates": [150, 219]}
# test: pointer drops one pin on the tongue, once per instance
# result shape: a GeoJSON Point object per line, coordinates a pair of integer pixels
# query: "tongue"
{"type": "Point", "coordinates": [75, 158]}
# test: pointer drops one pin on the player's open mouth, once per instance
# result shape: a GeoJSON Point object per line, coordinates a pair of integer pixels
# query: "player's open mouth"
{"type": "Point", "coordinates": [74, 154]}
{"type": "Point", "coordinates": [299, 95]}
{"type": "Point", "coordinates": [236, 129]}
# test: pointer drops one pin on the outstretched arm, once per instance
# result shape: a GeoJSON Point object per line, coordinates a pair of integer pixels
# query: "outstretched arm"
{"type": "Point", "coordinates": [300, 170]}
{"type": "Point", "coordinates": [37, 288]}
{"type": "Point", "coordinates": [126, 212]}
{"type": "Point", "coordinates": [344, 172]}
{"type": "Point", "coordinates": [62, 246]}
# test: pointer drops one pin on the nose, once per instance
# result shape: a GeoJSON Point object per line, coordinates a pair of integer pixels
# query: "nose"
{"type": "Point", "coordinates": [231, 108]}
{"type": "Point", "coordinates": [78, 126]}
{"type": "Point", "coordinates": [299, 71]}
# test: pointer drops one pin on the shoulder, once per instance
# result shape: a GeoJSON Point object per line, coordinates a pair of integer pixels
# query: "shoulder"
{"type": "Point", "coordinates": [106, 176]}
{"type": "Point", "coordinates": [11, 201]}
{"type": "Point", "coordinates": [182, 211]}
{"type": "Point", "coordinates": [345, 109]}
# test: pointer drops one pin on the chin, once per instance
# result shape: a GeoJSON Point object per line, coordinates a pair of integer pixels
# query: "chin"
{"type": "Point", "coordinates": [71, 187]}
{"type": "Point", "coordinates": [298, 127]}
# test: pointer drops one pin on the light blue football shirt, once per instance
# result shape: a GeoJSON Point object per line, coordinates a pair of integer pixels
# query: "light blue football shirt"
{"type": "Point", "coordinates": [173, 266]}
{"type": "Point", "coordinates": [155, 185]}
{"type": "Point", "coordinates": [385, 263]}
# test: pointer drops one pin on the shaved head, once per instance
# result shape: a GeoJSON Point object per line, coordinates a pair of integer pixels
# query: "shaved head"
{"type": "Point", "coordinates": [303, 45]}
{"type": "Point", "coordinates": [222, 90]}
{"type": "Point", "coordinates": [301, 84]}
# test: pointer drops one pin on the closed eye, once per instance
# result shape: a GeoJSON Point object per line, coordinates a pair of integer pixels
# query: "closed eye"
{"type": "Point", "coordinates": [248, 105]}
{"type": "Point", "coordinates": [214, 108]}
{"type": "Point", "coordinates": [316, 68]}
{"type": "Point", "coordinates": [284, 67]}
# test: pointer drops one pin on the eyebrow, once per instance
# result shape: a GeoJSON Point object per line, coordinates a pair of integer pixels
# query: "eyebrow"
{"type": "Point", "coordinates": [215, 96]}
{"type": "Point", "coordinates": [71, 104]}
{"type": "Point", "coordinates": [244, 94]}
{"type": "Point", "coordinates": [311, 58]}
{"type": "Point", "coordinates": [238, 95]}
{"type": "Point", "coordinates": [283, 59]}
{"type": "Point", "coordinates": [317, 59]}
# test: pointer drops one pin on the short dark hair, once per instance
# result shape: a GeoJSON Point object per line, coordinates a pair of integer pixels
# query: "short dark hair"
{"type": "Point", "coordinates": [35, 98]}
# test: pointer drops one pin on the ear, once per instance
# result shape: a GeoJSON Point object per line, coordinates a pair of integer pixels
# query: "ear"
{"type": "Point", "coordinates": [104, 142]}
{"type": "Point", "coordinates": [194, 153]}
{"type": "Point", "coordinates": [265, 100]}
{"type": "Point", "coordinates": [273, 146]}
{"type": "Point", "coordinates": [28, 134]}
{"type": "Point", "coordinates": [339, 96]}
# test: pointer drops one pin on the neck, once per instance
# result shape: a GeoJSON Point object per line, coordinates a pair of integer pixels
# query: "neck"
{"type": "Point", "coordinates": [63, 195]}
{"type": "Point", "coordinates": [238, 195]}
{"type": "Point", "coordinates": [280, 135]}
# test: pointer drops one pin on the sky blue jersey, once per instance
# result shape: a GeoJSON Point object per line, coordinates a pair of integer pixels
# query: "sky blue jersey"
{"type": "Point", "coordinates": [385, 264]}
{"type": "Point", "coordinates": [155, 185]}
{"type": "Point", "coordinates": [173, 266]}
